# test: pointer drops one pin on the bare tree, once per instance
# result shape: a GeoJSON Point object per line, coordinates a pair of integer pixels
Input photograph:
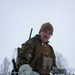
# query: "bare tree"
{"type": "Point", "coordinates": [5, 66]}
{"type": "Point", "coordinates": [61, 61]}
{"type": "Point", "coordinates": [63, 64]}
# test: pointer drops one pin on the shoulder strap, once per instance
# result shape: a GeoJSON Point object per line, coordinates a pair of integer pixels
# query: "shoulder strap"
{"type": "Point", "coordinates": [33, 61]}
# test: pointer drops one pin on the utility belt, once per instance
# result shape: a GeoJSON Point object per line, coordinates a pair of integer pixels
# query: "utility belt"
{"type": "Point", "coordinates": [44, 65]}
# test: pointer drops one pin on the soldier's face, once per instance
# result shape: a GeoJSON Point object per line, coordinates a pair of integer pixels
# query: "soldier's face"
{"type": "Point", "coordinates": [45, 35]}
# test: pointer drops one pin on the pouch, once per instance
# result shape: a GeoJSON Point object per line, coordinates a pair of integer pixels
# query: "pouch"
{"type": "Point", "coordinates": [44, 64]}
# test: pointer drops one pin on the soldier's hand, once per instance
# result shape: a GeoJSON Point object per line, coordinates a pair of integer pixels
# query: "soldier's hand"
{"type": "Point", "coordinates": [25, 70]}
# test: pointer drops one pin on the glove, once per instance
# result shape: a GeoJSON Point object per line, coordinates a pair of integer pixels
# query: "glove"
{"type": "Point", "coordinates": [54, 70]}
{"type": "Point", "coordinates": [25, 70]}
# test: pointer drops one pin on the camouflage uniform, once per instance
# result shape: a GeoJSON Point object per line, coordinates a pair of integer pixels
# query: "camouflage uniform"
{"type": "Point", "coordinates": [29, 50]}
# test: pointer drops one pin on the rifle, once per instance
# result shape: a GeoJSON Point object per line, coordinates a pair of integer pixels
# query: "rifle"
{"type": "Point", "coordinates": [14, 68]}
{"type": "Point", "coordinates": [58, 71]}
{"type": "Point", "coordinates": [30, 33]}
{"type": "Point", "coordinates": [13, 60]}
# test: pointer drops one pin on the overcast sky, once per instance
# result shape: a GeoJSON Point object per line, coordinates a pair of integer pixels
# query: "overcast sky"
{"type": "Point", "coordinates": [17, 17]}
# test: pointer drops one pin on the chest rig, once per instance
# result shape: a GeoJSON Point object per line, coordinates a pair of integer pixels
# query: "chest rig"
{"type": "Point", "coordinates": [42, 61]}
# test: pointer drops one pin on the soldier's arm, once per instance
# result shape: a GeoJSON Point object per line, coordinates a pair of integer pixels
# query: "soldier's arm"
{"type": "Point", "coordinates": [53, 57]}
{"type": "Point", "coordinates": [26, 53]}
